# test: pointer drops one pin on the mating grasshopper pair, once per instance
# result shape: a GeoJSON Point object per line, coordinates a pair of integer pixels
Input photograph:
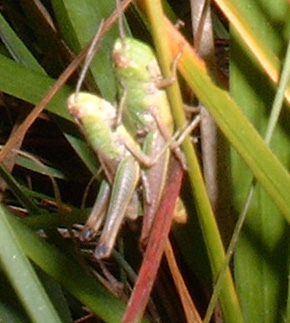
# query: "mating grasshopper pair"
{"type": "Point", "coordinates": [145, 121]}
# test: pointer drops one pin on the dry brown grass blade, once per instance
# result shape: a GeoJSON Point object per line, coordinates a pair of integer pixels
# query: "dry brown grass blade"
{"type": "Point", "coordinates": [189, 308]}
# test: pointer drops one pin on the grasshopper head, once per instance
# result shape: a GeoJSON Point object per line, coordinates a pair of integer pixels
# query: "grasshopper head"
{"type": "Point", "coordinates": [95, 117]}
{"type": "Point", "coordinates": [134, 60]}
{"type": "Point", "coordinates": [81, 105]}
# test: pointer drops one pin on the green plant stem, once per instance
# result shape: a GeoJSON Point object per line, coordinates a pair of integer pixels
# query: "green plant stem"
{"type": "Point", "coordinates": [210, 230]}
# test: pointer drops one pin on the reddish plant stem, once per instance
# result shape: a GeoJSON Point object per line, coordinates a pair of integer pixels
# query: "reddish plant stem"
{"type": "Point", "coordinates": [156, 243]}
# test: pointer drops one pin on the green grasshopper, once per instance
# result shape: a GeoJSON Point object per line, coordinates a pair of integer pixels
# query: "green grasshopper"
{"type": "Point", "coordinates": [96, 118]}
{"type": "Point", "coordinates": [115, 144]}
{"type": "Point", "coordinates": [120, 157]}
{"type": "Point", "coordinates": [145, 111]}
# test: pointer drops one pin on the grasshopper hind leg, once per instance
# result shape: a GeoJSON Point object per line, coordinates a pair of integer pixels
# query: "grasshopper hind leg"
{"type": "Point", "coordinates": [123, 189]}
{"type": "Point", "coordinates": [98, 212]}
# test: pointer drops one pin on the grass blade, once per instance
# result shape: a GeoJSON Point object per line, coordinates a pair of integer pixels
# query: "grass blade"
{"type": "Point", "coordinates": [264, 240]}
{"type": "Point", "coordinates": [67, 272]}
{"type": "Point", "coordinates": [22, 276]}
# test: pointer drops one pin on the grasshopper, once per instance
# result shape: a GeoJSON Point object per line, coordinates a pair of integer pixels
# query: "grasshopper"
{"type": "Point", "coordinates": [120, 157]}
{"type": "Point", "coordinates": [147, 119]}
{"type": "Point", "coordinates": [145, 111]}
{"type": "Point", "coordinates": [96, 118]}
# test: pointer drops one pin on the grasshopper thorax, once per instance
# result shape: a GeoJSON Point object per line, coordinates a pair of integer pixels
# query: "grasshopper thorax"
{"type": "Point", "coordinates": [135, 60]}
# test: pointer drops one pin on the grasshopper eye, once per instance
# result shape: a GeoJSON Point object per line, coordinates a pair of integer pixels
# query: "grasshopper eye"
{"type": "Point", "coordinates": [74, 108]}
{"type": "Point", "coordinates": [83, 104]}
{"type": "Point", "coordinates": [120, 60]}
{"type": "Point", "coordinates": [77, 105]}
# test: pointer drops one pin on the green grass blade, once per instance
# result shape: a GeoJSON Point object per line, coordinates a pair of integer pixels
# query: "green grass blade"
{"type": "Point", "coordinates": [16, 47]}
{"type": "Point", "coordinates": [17, 191]}
{"type": "Point", "coordinates": [79, 22]}
{"type": "Point", "coordinates": [256, 43]}
{"type": "Point", "coordinates": [22, 276]}
{"type": "Point", "coordinates": [57, 295]}
{"type": "Point", "coordinates": [239, 131]}
{"type": "Point", "coordinates": [261, 267]}
{"type": "Point", "coordinates": [27, 163]}
{"type": "Point", "coordinates": [31, 86]}
{"type": "Point", "coordinates": [278, 102]}
{"type": "Point", "coordinates": [229, 300]}
{"type": "Point", "coordinates": [67, 272]}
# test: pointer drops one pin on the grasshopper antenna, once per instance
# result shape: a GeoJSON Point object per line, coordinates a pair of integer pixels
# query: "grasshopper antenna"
{"type": "Point", "coordinates": [120, 20]}
{"type": "Point", "coordinates": [91, 53]}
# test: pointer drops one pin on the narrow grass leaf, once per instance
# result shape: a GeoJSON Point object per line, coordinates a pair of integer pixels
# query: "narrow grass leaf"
{"type": "Point", "coordinates": [67, 272]}
{"type": "Point", "coordinates": [22, 275]}
{"type": "Point", "coordinates": [261, 264]}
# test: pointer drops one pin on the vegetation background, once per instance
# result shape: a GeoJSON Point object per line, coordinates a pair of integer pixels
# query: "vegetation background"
{"type": "Point", "coordinates": [46, 275]}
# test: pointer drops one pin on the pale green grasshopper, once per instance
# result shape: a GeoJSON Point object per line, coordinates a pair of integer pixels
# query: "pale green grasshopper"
{"type": "Point", "coordinates": [120, 157]}
{"type": "Point", "coordinates": [145, 111]}
{"type": "Point", "coordinates": [141, 92]}
{"type": "Point", "coordinates": [112, 142]}
{"type": "Point", "coordinates": [97, 118]}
